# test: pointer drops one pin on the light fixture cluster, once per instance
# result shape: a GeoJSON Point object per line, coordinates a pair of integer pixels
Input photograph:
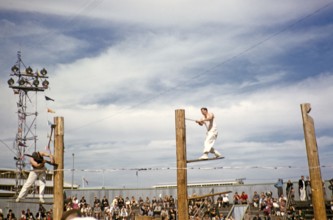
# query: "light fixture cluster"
{"type": "Point", "coordinates": [28, 79]}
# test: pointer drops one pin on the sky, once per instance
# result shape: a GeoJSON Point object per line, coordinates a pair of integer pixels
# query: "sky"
{"type": "Point", "coordinates": [118, 71]}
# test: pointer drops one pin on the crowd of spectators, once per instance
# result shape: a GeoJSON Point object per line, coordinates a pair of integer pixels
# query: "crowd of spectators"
{"type": "Point", "coordinates": [119, 208]}
{"type": "Point", "coordinates": [41, 214]}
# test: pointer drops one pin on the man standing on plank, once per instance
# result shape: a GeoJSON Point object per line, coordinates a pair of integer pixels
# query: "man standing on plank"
{"type": "Point", "coordinates": [211, 135]}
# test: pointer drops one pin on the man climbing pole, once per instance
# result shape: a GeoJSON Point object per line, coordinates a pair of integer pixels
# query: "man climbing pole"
{"type": "Point", "coordinates": [208, 120]}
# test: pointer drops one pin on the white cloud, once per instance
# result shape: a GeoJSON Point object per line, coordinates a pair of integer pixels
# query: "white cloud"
{"type": "Point", "coordinates": [118, 98]}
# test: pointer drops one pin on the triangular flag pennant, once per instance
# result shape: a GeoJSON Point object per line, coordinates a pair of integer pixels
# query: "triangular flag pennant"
{"type": "Point", "coordinates": [85, 180]}
{"type": "Point", "coordinates": [50, 110]}
{"type": "Point", "coordinates": [48, 99]}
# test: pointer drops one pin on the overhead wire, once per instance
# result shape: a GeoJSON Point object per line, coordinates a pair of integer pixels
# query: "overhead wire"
{"type": "Point", "coordinates": [200, 74]}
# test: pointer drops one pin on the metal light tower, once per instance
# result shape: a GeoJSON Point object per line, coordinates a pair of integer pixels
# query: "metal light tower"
{"type": "Point", "coordinates": [26, 84]}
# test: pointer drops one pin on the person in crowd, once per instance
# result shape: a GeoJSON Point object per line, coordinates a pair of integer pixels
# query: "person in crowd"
{"type": "Point", "coordinates": [243, 198]}
{"type": "Point", "coordinates": [105, 203]}
{"type": "Point", "coordinates": [308, 188]}
{"type": "Point", "coordinates": [255, 199]}
{"type": "Point", "coordinates": [97, 211]}
{"type": "Point", "coordinates": [11, 215]}
{"type": "Point", "coordinates": [301, 189]}
{"type": "Point", "coordinates": [208, 120]}
{"type": "Point", "coordinates": [29, 214]}
{"type": "Point", "coordinates": [262, 201]}
{"type": "Point", "coordinates": [157, 209]}
{"type": "Point", "coordinates": [123, 213]}
{"type": "Point", "coordinates": [23, 216]}
{"type": "Point", "coordinates": [279, 186]}
{"type": "Point", "coordinates": [41, 214]}
{"type": "Point", "coordinates": [75, 203]}
{"type": "Point", "coordinates": [82, 202]}
{"type": "Point", "coordinates": [67, 215]}
{"type": "Point", "coordinates": [97, 201]}
{"type": "Point", "coordinates": [236, 198]}
{"type": "Point", "coordinates": [288, 188]}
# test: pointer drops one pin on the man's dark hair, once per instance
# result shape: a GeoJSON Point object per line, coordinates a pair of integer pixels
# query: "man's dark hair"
{"type": "Point", "coordinates": [204, 108]}
{"type": "Point", "coordinates": [37, 157]}
{"type": "Point", "coordinates": [71, 213]}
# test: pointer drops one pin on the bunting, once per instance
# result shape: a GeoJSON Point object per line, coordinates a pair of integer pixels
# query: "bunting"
{"type": "Point", "coordinates": [50, 110]}
{"type": "Point", "coordinates": [85, 180]}
{"type": "Point", "coordinates": [48, 99]}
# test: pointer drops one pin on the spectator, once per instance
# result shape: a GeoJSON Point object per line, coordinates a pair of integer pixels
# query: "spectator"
{"type": "Point", "coordinates": [157, 209]}
{"type": "Point", "coordinates": [308, 188]}
{"type": "Point", "coordinates": [301, 189]}
{"type": "Point", "coordinates": [41, 214]}
{"type": "Point", "coordinates": [243, 198]}
{"type": "Point", "coordinates": [236, 198]}
{"type": "Point", "coordinates": [10, 215]}
{"type": "Point", "coordinates": [225, 200]}
{"type": "Point", "coordinates": [71, 214]}
{"type": "Point", "coordinates": [262, 201]}
{"type": "Point", "coordinates": [29, 215]}
{"type": "Point", "coordinates": [105, 203]}
{"type": "Point", "coordinates": [288, 188]}
{"type": "Point", "coordinates": [97, 211]}
{"type": "Point", "coordinates": [23, 216]}
{"type": "Point", "coordinates": [255, 199]}
{"type": "Point", "coordinates": [82, 202]}
{"type": "Point", "coordinates": [123, 213]}
{"type": "Point", "coordinates": [75, 203]}
{"type": "Point", "coordinates": [279, 186]}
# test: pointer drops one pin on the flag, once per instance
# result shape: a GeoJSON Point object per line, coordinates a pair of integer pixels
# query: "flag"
{"type": "Point", "coordinates": [48, 99]}
{"type": "Point", "coordinates": [85, 180]}
{"type": "Point", "coordinates": [50, 110]}
{"type": "Point", "coordinates": [47, 148]}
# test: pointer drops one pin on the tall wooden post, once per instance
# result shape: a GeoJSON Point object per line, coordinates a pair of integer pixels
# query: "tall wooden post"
{"type": "Point", "coordinates": [181, 165]}
{"type": "Point", "coordinates": [58, 180]}
{"type": "Point", "coordinates": [318, 200]}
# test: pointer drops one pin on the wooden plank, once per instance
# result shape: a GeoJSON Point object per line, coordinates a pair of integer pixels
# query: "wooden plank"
{"type": "Point", "coordinates": [208, 195]}
{"type": "Point", "coordinates": [200, 160]}
{"type": "Point", "coordinates": [32, 202]}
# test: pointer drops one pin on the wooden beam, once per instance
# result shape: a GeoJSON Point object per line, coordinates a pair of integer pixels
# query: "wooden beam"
{"type": "Point", "coordinates": [318, 200]}
{"type": "Point", "coordinates": [201, 160]}
{"type": "Point", "coordinates": [181, 165]}
{"type": "Point", "coordinates": [209, 195]}
{"type": "Point", "coordinates": [58, 180]}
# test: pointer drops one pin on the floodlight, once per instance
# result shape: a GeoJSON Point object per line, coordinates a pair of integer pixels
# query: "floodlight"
{"type": "Point", "coordinates": [36, 82]}
{"type": "Point", "coordinates": [45, 83]}
{"type": "Point", "coordinates": [43, 72]}
{"type": "Point", "coordinates": [15, 68]}
{"type": "Point", "coordinates": [28, 70]}
{"type": "Point", "coordinates": [21, 82]}
{"type": "Point", "coordinates": [10, 81]}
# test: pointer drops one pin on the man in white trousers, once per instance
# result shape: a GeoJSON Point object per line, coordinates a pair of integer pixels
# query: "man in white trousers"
{"type": "Point", "coordinates": [208, 120]}
{"type": "Point", "coordinates": [38, 172]}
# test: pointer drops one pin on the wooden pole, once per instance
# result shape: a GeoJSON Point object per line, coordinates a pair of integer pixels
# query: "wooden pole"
{"type": "Point", "coordinates": [318, 200]}
{"type": "Point", "coordinates": [58, 180]}
{"type": "Point", "coordinates": [181, 165]}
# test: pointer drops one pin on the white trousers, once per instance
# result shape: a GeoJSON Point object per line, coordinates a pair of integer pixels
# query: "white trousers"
{"type": "Point", "coordinates": [33, 176]}
{"type": "Point", "coordinates": [210, 140]}
{"type": "Point", "coordinates": [302, 195]}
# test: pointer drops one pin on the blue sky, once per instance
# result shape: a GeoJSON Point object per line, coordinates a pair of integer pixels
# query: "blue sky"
{"type": "Point", "coordinates": [119, 69]}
